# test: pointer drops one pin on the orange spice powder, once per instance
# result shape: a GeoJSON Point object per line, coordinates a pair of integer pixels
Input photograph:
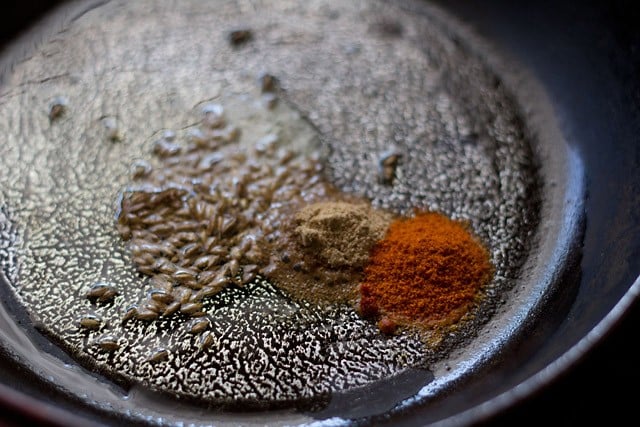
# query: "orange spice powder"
{"type": "Point", "coordinates": [426, 271]}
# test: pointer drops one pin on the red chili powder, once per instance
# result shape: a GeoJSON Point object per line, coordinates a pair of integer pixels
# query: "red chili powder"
{"type": "Point", "coordinates": [426, 271]}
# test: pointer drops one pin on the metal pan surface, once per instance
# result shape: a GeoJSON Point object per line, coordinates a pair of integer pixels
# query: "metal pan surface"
{"type": "Point", "coordinates": [579, 280]}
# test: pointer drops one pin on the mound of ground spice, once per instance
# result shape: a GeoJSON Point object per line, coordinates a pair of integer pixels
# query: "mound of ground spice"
{"type": "Point", "coordinates": [326, 247]}
{"type": "Point", "coordinates": [427, 271]}
{"type": "Point", "coordinates": [341, 233]}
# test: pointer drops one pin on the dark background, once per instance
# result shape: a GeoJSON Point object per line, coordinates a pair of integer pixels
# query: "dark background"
{"type": "Point", "coordinates": [590, 48]}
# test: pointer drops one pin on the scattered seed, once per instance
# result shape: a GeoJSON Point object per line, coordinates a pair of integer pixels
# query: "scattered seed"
{"type": "Point", "coordinates": [144, 258]}
{"type": "Point", "coordinates": [164, 148]}
{"type": "Point", "coordinates": [197, 136]}
{"type": "Point", "coordinates": [157, 249]}
{"type": "Point", "coordinates": [108, 295]}
{"type": "Point", "coordinates": [190, 249]}
{"type": "Point", "coordinates": [165, 266]}
{"type": "Point", "coordinates": [90, 321]}
{"type": "Point", "coordinates": [226, 135]}
{"type": "Point", "coordinates": [184, 295]}
{"type": "Point", "coordinates": [284, 156]}
{"type": "Point", "coordinates": [161, 282]}
{"type": "Point", "coordinates": [130, 313]}
{"type": "Point", "coordinates": [57, 107]}
{"type": "Point", "coordinates": [198, 314]}
{"type": "Point", "coordinates": [254, 255]}
{"type": "Point", "coordinates": [160, 295]}
{"type": "Point", "coordinates": [228, 225]}
{"type": "Point", "coordinates": [234, 267]}
{"type": "Point", "coordinates": [199, 325]}
{"type": "Point", "coordinates": [102, 292]}
{"type": "Point", "coordinates": [183, 237]}
{"type": "Point", "coordinates": [146, 315]}
{"type": "Point", "coordinates": [213, 116]}
{"type": "Point", "coordinates": [387, 163]}
{"type": "Point", "coordinates": [221, 251]}
{"type": "Point", "coordinates": [266, 144]}
{"type": "Point", "coordinates": [240, 36]}
{"type": "Point", "coordinates": [159, 355]}
{"type": "Point", "coordinates": [183, 275]}
{"type": "Point", "coordinates": [111, 129]}
{"type": "Point", "coordinates": [190, 307]}
{"type": "Point", "coordinates": [207, 339]}
{"type": "Point", "coordinates": [205, 262]}
{"type": "Point", "coordinates": [267, 82]}
{"type": "Point", "coordinates": [220, 281]}
{"type": "Point", "coordinates": [193, 284]}
{"type": "Point", "coordinates": [108, 343]}
{"type": "Point", "coordinates": [155, 306]}
{"type": "Point", "coordinates": [249, 272]}
{"type": "Point", "coordinates": [236, 253]}
{"type": "Point", "coordinates": [206, 292]}
{"type": "Point", "coordinates": [210, 160]}
{"type": "Point", "coordinates": [140, 169]}
{"type": "Point", "coordinates": [97, 290]}
{"type": "Point", "coordinates": [171, 308]}
{"type": "Point", "coordinates": [207, 276]}
{"type": "Point", "coordinates": [169, 135]}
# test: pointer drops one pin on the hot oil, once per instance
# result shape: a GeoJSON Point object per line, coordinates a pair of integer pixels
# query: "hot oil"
{"type": "Point", "coordinates": [241, 332]}
{"type": "Point", "coordinates": [360, 83]}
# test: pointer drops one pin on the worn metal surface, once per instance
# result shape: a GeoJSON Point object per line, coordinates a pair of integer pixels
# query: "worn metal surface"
{"type": "Point", "coordinates": [367, 75]}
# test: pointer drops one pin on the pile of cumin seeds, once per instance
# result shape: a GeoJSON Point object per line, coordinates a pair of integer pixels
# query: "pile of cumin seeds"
{"type": "Point", "coordinates": [211, 213]}
{"type": "Point", "coordinates": [230, 200]}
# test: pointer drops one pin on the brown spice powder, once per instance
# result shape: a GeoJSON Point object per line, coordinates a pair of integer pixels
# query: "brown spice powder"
{"type": "Point", "coordinates": [341, 233]}
{"type": "Point", "coordinates": [326, 248]}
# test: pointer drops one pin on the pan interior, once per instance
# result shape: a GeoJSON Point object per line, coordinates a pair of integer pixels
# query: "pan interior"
{"type": "Point", "coordinates": [363, 76]}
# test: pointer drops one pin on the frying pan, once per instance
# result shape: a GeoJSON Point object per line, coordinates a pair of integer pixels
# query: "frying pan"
{"type": "Point", "coordinates": [571, 368]}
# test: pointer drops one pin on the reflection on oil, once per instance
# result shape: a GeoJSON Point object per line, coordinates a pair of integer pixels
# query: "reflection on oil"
{"type": "Point", "coordinates": [366, 84]}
